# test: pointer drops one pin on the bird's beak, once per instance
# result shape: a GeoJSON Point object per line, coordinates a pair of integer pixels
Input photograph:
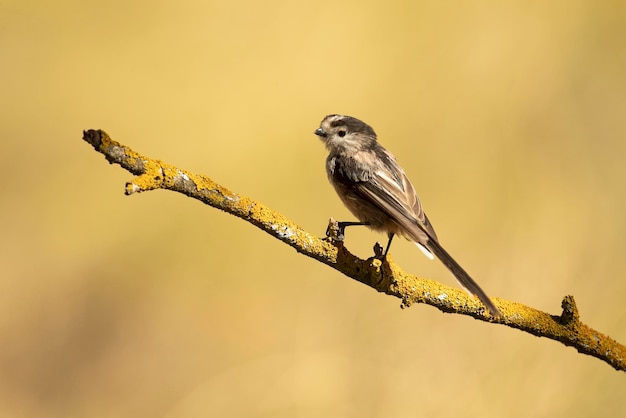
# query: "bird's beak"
{"type": "Point", "coordinates": [320, 132]}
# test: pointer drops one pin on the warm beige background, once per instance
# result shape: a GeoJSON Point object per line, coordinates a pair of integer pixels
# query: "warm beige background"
{"type": "Point", "coordinates": [510, 119]}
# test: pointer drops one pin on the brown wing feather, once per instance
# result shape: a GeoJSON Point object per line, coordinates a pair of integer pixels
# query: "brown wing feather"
{"type": "Point", "coordinates": [399, 200]}
{"type": "Point", "coordinates": [391, 190]}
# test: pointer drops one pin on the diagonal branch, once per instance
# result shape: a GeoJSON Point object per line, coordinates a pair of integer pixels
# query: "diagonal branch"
{"type": "Point", "coordinates": [566, 328]}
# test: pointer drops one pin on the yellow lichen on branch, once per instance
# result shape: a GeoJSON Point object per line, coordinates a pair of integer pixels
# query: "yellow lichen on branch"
{"type": "Point", "coordinates": [385, 277]}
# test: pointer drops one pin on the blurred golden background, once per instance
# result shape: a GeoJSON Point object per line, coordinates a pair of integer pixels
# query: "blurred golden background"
{"type": "Point", "coordinates": [509, 119]}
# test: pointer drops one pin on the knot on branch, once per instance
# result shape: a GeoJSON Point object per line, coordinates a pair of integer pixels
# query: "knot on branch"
{"type": "Point", "coordinates": [333, 231]}
{"type": "Point", "coordinates": [570, 313]}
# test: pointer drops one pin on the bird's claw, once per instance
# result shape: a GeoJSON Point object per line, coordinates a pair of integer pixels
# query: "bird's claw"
{"type": "Point", "coordinates": [378, 251]}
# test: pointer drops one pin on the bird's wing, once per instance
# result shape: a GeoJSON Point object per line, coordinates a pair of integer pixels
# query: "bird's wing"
{"type": "Point", "coordinates": [390, 189]}
{"type": "Point", "coordinates": [399, 201]}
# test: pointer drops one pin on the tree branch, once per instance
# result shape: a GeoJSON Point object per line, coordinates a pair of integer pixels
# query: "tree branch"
{"type": "Point", "coordinates": [566, 328]}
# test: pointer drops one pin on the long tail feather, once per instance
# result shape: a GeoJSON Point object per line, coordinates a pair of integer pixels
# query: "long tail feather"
{"type": "Point", "coordinates": [461, 275]}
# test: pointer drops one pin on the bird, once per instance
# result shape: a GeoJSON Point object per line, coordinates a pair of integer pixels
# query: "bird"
{"type": "Point", "coordinates": [373, 186]}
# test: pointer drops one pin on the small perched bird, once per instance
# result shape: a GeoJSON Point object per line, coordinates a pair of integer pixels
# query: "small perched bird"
{"type": "Point", "coordinates": [375, 189]}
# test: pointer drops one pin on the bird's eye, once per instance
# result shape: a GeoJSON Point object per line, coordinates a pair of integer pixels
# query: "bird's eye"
{"type": "Point", "coordinates": [341, 133]}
